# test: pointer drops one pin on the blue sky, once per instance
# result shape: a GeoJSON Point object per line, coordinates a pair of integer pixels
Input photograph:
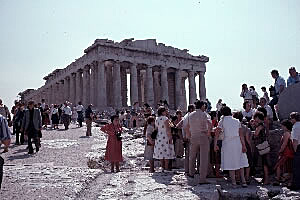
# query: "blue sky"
{"type": "Point", "coordinates": [245, 40]}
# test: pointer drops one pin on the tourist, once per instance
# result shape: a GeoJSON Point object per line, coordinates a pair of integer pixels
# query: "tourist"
{"type": "Point", "coordinates": [5, 138]}
{"type": "Point", "coordinates": [46, 117]}
{"type": "Point", "coordinates": [122, 118]}
{"type": "Point", "coordinates": [74, 115]}
{"type": "Point", "coordinates": [55, 117]}
{"type": "Point", "coordinates": [279, 86]}
{"type": "Point", "coordinates": [149, 147]}
{"type": "Point", "coordinates": [66, 115]}
{"type": "Point", "coordinates": [215, 156]}
{"type": "Point", "coordinates": [294, 77]}
{"type": "Point", "coordinates": [178, 142]}
{"type": "Point", "coordinates": [5, 112]}
{"type": "Point", "coordinates": [246, 94]}
{"type": "Point", "coordinates": [31, 125]}
{"type": "Point", "coordinates": [13, 112]}
{"type": "Point", "coordinates": [259, 137]}
{"type": "Point", "coordinates": [295, 136]}
{"type": "Point", "coordinates": [89, 119]}
{"type": "Point", "coordinates": [18, 123]}
{"type": "Point", "coordinates": [127, 119]}
{"type": "Point", "coordinates": [266, 95]}
{"type": "Point", "coordinates": [186, 141]}
{"type": "Point", "coordinates": [286, 153]}
{"type": "Point", "coordinates": [163, 148]}
{"type": "Point", "coordinates": [246, 133]}
{"type": "Point", "coordinates": [248, 111]}
{"type": "Point", "coordinates": [263, 104]}
{"type": "Point", "coordinates": [233, 153]}
{"type": "Point", "coordinates": [79, 110]}
{"type": "Point", "coordinates": [208, 107]}
{"type": "Point", "coordinates": [113, 152]}
{"type": "Point", "coordinates": [255, 96]}
{"type": "Point", "coordinates": [199, 132]}
{"type": "Point", "coordinates": [218, 107]}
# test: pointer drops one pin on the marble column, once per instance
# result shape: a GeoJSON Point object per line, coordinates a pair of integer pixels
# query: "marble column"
{"type": "Point", "coordinates": [202, 88]}
{"type": "Point", "coordinates": [192, 87]}
{"type": "Point", "coordinates": [86, 86]}
{"type": "Point", "coordinates": [184, 100]}
{"type": "Point", "coordinates": [61, 92]}
{"type": "Point", "coordinates": [73, 88]}
{"type": "Point", "coordinates": [78, 96]}
{"type": "Point", "coordinates": [134, 91]}
{"type": "Point", "coordinates": [102, 95]}
{"type": "Point", "coordinates": [67, 89]}
{"type": "Point", "coordinates": [164, 84]}
{"type": "Point", "coordinates": [117, 85]}
{"type": "Point", "coordinates": [93, 85]}
{"type": "Point", "coordinates": [157, 88]}
{"type": "Point", "coordinates": [149, 86]}
{"type": "Point", "coordinates": [178, 89]}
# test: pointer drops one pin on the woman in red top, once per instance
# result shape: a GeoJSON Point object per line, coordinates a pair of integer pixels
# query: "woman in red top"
{"type": "Point", "coordinates": [113, 152]}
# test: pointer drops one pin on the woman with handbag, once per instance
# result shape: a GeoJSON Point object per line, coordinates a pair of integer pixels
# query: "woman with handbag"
{"type": "Point", "coordinates": [286, 153]}
{"type": "Point", "coordinates": [113, 152]}
{"type": "Point", "coordinates": [262, 147]}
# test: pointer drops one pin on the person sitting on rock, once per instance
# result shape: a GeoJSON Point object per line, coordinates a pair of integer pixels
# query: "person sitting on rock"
{"type": "Point", "coordinates": [113, 152]}
{"type": "Point", "coordinates": [294, 77]}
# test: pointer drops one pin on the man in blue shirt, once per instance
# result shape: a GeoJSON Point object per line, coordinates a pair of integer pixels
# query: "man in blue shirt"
{"type": "Point", "coordinates": [294, 77]}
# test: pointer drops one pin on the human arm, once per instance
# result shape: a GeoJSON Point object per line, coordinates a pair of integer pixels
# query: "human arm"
{"type": "Point", "coordinates": [168, 129]}
{"type": "Point", "coordinates": [286, 138]}
{"type": "Point", "coordinates": [242, 138]}
{"type": "Point", "coordinates": [217, 133]}
{"type": "Point", "coordinates": [295, 144]}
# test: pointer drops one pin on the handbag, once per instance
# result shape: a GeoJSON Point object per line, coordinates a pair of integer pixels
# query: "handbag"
{"type": "Point", "coordinates": [263, 148]}
{"type": "Point", "coordinates": [154, 134]}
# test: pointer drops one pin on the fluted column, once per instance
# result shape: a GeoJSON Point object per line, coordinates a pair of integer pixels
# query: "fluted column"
{"type": "Point", "coordinates": [202, 88]}
{"type": "Point", "coordinates": [73, 88]}
{"type": "Point", "coordinates": [164, 84]}
{"type": "Point", "coordinates": [86, 86]}
{"type": "Point", "coordinates": [102, 95]}
{"type": "Point", "coordinates": [192, 87]}
{"type": "Point", "coordinates": [178, 89]}
{"type": "Point", "coordinates": [134, 91]}
{"type": "Point", "coordinates": [66, 89]}
{"type": "Point", "coordinates": [93, 74]}
{"type": "Point", "coordinates": [149, 86]}
{"type": "Point", "coordinates": [117, 85]}
{"type": "Point", "coordinates": [78, 96]}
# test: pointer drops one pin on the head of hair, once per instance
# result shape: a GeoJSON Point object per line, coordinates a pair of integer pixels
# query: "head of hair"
{"type": "Point", "coordinates": [292, 69]}
{"type": "Point", "coordinates": [263, 110]}
{"type": "Point", "coordinates": [178, 112]}
{"type": "Point", "coordinates": [239, 116]}
{"type": "Point", "coordinates": [226, 111]}
{"type": "Point", "coordinates": [30, 103]}
{"type": "Point", "coordinates": [259, 115]}
{"type": "Point", "coordinates": [245, 104]}
{"type": "Point", "coordinates": [244, 85]}
{"type": "Point", "coordinates": [122, 112]}
{"type": "Point", "coordinates": [79, 103]}
{"type": "Point", "coordinates": [174, 118]}
{"type": "Point", "coordinates": [191, 108]}
{"type": "Point", "coordinates": [199, 104]}
{"type": "Point", "coordinates": [263, 88]}
{"type": "Point", "coordinates": [252, 87]}
{"type": "Point", "coordinates": [275, 72]}
{"type": "Point", "coordinates": [112, 118]}
{"type": "Point", "coordinates": [160, 110]}
{"type": "Point", "coordinates": [150, 120]}
{"type": "Point", "coordinates": [213, 114]}
{"type": "Point", "coordinates": [288, 124]}
{"type": "Point", "coordinates": [295, 115]}
{"type": "Point", "coordinates": [146, 105]}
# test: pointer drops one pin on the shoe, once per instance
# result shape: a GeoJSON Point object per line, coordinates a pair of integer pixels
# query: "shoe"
{"type": "Point", "coordinates": [293, 187]}
{"type": "Point", "coordinates": [30, 152]}
{"type": "Point", "coordinates": [37, 149]}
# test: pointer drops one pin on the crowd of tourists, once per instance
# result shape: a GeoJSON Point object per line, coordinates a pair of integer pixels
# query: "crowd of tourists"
{"type": "Point", "coordinates": [212, 142]}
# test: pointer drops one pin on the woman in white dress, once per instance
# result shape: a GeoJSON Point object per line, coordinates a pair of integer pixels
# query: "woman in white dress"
{"type": "Point", "coordinates": [163, 147]}
{"type": "Point", "coordinates": [233, 152]}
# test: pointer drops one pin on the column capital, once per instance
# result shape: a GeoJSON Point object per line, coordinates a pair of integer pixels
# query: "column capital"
{"type": "Point", "coordinates": [67, 78]}
{"type": "Point", "coordinates": [86, 68]}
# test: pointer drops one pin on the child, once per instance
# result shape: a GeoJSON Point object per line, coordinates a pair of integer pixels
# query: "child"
{"type": "Point", "coordinates": [149, 148]}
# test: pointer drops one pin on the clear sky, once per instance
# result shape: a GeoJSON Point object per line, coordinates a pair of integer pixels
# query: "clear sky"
{"type": "Point", "coordinates": [244, 40]}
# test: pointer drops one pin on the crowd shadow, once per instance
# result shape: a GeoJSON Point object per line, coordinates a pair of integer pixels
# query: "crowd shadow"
{"type": "Point", "coordinates": [163, 177]}
{"type": "Point", "coordinates": [19, 157]}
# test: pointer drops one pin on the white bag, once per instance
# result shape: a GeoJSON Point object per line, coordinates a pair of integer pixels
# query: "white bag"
{"type": "Point", "coordinates": [263, 148]}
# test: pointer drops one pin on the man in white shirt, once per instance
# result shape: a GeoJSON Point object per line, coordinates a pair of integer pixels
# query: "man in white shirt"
{"type": "Point", "coordinates": [263, 104]}
{"type": "Point", "coordinates": [66, 117]}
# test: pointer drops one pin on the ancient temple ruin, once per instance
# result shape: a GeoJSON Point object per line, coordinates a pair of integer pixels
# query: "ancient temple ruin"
{"type": "Point", "coordinates": [157, 72]}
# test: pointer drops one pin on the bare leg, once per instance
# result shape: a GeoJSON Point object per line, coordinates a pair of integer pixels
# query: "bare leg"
{"type": "Point", "coordinates": [162, 163]}
{"type": "Point", "coordinates": [117, 166]}
{"type": "Point", "coordinates": [166, 164]}
{"type": "Point", "coordinates": [112, 167]}
{"type": "Point", "coordinates": [247, 177]}
{"type": "Point", "coordinates": [242, 176]}
{"type": "Point", "coordinates": [232, 176]}
{"type": "Point", "coordinates": [266, 175]}
{"type": "Point", "coordinates": [151, 162]}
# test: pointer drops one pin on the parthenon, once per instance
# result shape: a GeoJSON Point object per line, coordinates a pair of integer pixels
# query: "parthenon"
{"type": "Point", "coordinates": [157, 72]}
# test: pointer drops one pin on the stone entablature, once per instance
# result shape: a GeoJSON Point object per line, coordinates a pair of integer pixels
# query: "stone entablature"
{"type": "Point", "coordinates": [156, 73]}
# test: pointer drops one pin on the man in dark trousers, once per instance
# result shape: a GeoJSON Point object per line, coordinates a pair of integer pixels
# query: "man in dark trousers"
{"type": "Point", "coordinates": [5, 139]}
{"type": "Point", "coordinates": [32, 124]}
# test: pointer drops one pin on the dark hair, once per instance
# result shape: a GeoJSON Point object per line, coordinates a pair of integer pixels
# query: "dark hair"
{"type": "Point", "coordinates": [31, 103]}
{"type": "Point", "coordinates": [112, 118]}
{"type": "Point", "coordinates": [252, 87]}
{"type": "Point", "coordinates": [79, 103]}
{"type": "Point", "coordinates": [226, 111]}
{"type": "Point", "coordinates": [292, 68]}
{"type": "Point", "coordinates": [263, 110]}
{"type": "Point", "coordinates": [174, 118]}
{"type": "Point", "coordinates": [245, 103]}
{"type": "Point", "coordinates": [238, 115]}
{"type": "Point", "coordinates": [191, 107]}
{"type": "Point", "coordinates": [288, 124]}
{"type": "Point", "coordinates": [244, 85]}
{"type": "Point", "coordinates": [263, 88]}
{"type": "Point", "coordinates": [160, 110]}
{"type": "Point", "coordinates": [274, 71]}
{"type": "Point", "coordinates": [150, 120]}
{"type": "Point", "coordinates": [213, 114]}
{"type": "Point", "coordinates": [199, 104]}
{"type": "Point", "coordinates": [178, 112]}
{"type": "Point", "coordinates": [295, 115]}
{"type": "Point", "coordinates": [122, 112]}
{"type": "Point", "coordinates": [146, 105]}
{"type": "Point", "coordinates": [259, 115]}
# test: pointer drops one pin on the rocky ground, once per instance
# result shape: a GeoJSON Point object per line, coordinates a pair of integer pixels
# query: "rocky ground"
{"type": "Point", "coordinates": [71, 166]}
